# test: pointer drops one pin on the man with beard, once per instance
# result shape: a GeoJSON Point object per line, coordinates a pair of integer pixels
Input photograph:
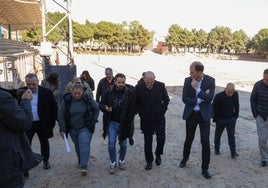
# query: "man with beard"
{"type": "Point", "coordinates": [118, 107]}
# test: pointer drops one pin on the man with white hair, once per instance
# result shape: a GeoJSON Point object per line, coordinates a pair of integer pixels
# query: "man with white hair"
{"type": "Point", "coordinates": [152, 101]}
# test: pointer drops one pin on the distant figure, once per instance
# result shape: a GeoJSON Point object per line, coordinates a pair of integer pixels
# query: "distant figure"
{"type": "Point", "coordinates": [85, 77]}
{"type": "Point", "coordinates": [152, 102]}
{"type": "Point", "coordinates": [118, 107]}
{"type": "Point", "coordinates": [15, 120]}
{"type": "Point", "coordinates": [57, 58]}
{"type": "Point", "coordinates": [197, 95]}
{"type": "Point", "coordinates": [77, 116]}
{"type": "Point", "coordinates": [52, 82]}
{"type": "Point", "coordinates": [77, 80]}
{"type": "Point", "coordinates": [104, 83]}
{"type": "Point", "coordinates": [226, 111]}
{"type": "Point", "coordinates": [141, 80]}
{"type": "Point", "coordinates": [259, 107]}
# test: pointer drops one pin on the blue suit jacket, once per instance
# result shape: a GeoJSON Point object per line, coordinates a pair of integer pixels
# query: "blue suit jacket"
{"type": "Point", "coordinates": [190, 100]}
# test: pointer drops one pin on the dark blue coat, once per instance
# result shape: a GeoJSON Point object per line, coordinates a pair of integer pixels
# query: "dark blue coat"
{"type": "Point", "coordinates": [259, 100]}
{"type": "Point", "coordinates": [190, 100]}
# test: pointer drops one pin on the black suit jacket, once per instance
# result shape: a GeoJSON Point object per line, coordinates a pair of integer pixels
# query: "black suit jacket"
{"type": "Point", "coordinates": [190, 100]}
{"type": "Point", "coordinates": [47, 111]}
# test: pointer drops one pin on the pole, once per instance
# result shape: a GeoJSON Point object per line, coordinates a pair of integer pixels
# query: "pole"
{"type": "Point", "coordinates": [70, 34]}
{"type": "Point", "coordinates": [43, 11]}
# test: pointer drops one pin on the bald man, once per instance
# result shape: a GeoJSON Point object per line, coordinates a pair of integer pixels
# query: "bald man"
{"type": "Point", "coordinates": [152, 101]}
{"type": "Point", "coordinates": [226, 111]}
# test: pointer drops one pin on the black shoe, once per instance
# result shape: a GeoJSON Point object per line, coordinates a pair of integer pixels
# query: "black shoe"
{"type": "Point", "coordinates": [46, 165]}
{"type": "Point", "coordinates": [206, 174]}
{"type": "Point", "coordinates": [264, 164]}
{"type": "Point", "coordinates": [148, 166]}
{"type": "Point", "coordinates": [26, 174]}
{"type": "Point", "coordinates": [158, 160]}
{"type": "Point", "coordinates": [234, 155]}
{"type": "Point", "coordinates": [183, 163]}
{"type": "Point", "coordinates": [131, 141]}
{"type": "Point", "coordinates": [217, 152]}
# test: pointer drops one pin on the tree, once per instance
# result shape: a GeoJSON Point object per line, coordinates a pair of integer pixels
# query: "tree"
{"type": "Point", "coordinates": [58, 34]}
{"type": "Point", "coordinates": [173, 37]}
{"type": "Point", "coordinates": [121, 36]}
{"type": "Point", "coordinates": [82, 33]}
{"type": "Point", "coordinates": [239, 41]}
{"type": "Point", "coordinates": [260, 41]}
{"type": "Point", "coordinates": [200, 39]}
{"type": "Point", "coordinates": [140, 36]}
{"type": "Point", "coordinates": [103, 32]}
{"type": "Point", "coordinates": [32, 36]}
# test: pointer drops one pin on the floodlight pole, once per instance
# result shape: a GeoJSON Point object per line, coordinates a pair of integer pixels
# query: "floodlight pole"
{"type": "Point", "coordinates": [70, 33]}
{"type": "Point", "coordinates": [43, 11]}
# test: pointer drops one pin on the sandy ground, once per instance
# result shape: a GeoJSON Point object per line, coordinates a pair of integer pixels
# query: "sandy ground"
{"type": "Point", "coordinates": [244, 171]}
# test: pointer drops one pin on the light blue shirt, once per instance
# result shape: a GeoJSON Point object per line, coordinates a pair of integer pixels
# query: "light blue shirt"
{"type": "Point", "coordinates": [34, 104]}
{"type": "Point", "coordinates": [199, 100]}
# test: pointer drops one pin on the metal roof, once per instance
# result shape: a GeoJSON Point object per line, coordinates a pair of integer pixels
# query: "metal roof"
{"type": "Point", "coordinates": [20, 14]}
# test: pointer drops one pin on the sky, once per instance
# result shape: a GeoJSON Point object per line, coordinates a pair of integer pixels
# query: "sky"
{"type": "Point", "coordinates": [249, 15]}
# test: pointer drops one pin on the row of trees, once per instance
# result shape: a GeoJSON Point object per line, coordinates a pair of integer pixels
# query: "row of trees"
{"type": "Point", "coordinates": [134, 37]}
{"type": "Point", "coordinates": [219, 40]}
{"type": "Point", "coordinates": [102, 35]}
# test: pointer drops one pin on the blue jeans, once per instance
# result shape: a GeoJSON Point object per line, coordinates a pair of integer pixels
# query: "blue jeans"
{"type": "Point", "coordinates": [82, 139]}
{"type": "Point", "coordinates": [113, 132]}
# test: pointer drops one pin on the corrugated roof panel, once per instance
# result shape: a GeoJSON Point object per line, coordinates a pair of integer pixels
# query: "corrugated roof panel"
{"type": "Point", "coordinates": [20, 14]}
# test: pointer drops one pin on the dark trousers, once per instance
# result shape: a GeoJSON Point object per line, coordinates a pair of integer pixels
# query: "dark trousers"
{"type": "Point", "coordinates": [44, 144]}
{"type": "Point", "coordinates": [148, 143]}
{"type": "Point", "coordinates": [230, 127]}
{"type": "Point", "coordinates": [204, 126]}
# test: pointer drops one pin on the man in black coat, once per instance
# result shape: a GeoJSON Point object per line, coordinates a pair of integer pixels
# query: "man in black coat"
{"type": "Point", "coordinates": [226, 111]}
{"type": "Point", "coordinates": [152, 101]}
{"type": "Point", "coordinates": [118, 107]}
{"type": "Point", "coordinates": [44, 110]}
{"type": "Point", "coordinates": [197, 95]}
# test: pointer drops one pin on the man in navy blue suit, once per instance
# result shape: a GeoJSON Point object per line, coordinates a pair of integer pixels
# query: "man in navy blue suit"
{"type": "Point", "coordinates": [197, 95]}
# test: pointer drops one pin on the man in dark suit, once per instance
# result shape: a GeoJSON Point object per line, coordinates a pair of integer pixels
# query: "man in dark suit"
{"type": "Point", "coordinates": [44, 110]}
{"type": "Point", "coordinates": [197, 95]}
{"type": "Point", "coordinates": [152, 101]}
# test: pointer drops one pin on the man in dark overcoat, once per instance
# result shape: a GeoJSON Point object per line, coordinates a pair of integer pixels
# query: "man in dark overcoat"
{"type": "Point", "coordinates": [151, 102]}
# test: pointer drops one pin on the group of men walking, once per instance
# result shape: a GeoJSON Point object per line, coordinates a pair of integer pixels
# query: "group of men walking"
{"type": "Point", "coordinates": [120, 102]}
